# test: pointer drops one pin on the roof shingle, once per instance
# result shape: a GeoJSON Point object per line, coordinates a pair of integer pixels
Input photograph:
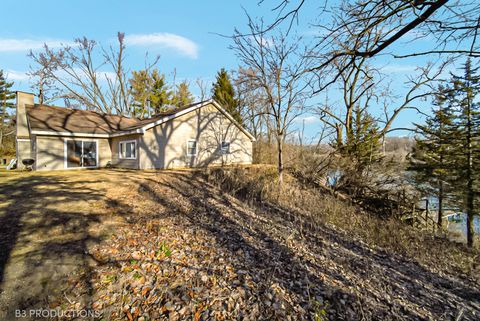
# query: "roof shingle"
{"type": "Point", "coordinates": [60, 119]}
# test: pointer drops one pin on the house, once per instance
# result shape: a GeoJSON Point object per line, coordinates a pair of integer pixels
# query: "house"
{"type": "Point", "coordinates": [197, 135]}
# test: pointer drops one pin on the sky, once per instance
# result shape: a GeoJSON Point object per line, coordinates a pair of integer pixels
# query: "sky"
{"type": "Point", "coordinates": [186, 35]}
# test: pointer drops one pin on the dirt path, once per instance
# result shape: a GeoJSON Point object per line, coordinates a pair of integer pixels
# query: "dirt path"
{"type": "Point", "coordinates": [154, 246]}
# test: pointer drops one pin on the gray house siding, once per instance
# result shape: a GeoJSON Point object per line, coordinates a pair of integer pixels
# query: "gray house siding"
{"type": "Point", "coordinates": [124, 163]}
{"type": "Point", "coordinates": [165, 145]}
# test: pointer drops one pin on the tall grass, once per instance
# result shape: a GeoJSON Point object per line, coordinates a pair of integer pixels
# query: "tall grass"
{"type": "Point", "coordinates": [312, 206]}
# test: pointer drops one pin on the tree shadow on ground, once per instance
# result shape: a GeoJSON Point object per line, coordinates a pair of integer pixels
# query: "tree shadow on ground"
{"type": "Point", "coordinates": [242, 234]}
{"type": "Point", "coordinates": [45, 235]}
{"type": "Point", "coordinates": [372, 282]}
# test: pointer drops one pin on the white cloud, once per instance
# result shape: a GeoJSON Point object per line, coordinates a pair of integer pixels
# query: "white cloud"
{"type": "Point", "coordinates": [16, 75]}
{"type": "Point", "coordinates": [12, 45]}
{"type": "Point", "coordinates": [397, 68]}
{"type": "Point", "coordinates": [307, 119]}
{"type": "Point", "coordinates": [181, 44]}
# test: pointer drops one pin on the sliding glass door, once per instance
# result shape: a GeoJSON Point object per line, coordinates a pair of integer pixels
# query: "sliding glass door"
{"type": "Point", "coordinates": [89, 158]}
{"type": "Point", "coordinates": [81, 153]}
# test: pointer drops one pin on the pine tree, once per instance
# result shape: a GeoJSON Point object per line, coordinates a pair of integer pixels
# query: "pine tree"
{"type": "Point", "coordinates": [466, 136]}
{"type": "Point", "coordinates": [224, 93]}
{"type": "Point", "coordinates": [431, 161]}
{"type": "Point", "coordinates": [182, 96]}
{"type": "Point", "coordinates": [140, 84]}
{"type": "Point", "coordinates": [363, 141]}
{"type": "Point", "coordinates": [161, 95]}
{"type": "Point", "coordinates": [150, 93]}
{"type": "Point", "coordinates": [6, 97]}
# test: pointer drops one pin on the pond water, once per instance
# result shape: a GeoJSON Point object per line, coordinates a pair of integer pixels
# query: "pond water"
{"type": "Point", "coordinates": [454, 220]}
{"type": "Point", "coordinates": [457, 226]}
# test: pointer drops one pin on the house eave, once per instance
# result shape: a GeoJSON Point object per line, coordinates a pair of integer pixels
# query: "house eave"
{"type": "Point", "coordinates": [72, 134]}
{"type": "Point", "coordinates": [129, 132]}
{"type": "Point", "coordinates": [68, 134]}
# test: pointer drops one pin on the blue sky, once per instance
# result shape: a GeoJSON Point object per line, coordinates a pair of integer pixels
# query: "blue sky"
{"type": "Point", "coordinates": [183, 33]}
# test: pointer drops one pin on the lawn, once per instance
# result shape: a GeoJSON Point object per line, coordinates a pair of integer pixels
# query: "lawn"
{"type": "Point", "coordinates": [49, 222]}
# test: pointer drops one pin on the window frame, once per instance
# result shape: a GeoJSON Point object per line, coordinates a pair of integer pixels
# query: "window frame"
{"type": "Point", "coordinates": [124, 142]}
{"type": "Point", "coordinates": [65, 151]}
{"type": "Point", "coordinates": [196, 147]}
{"type": "Point", "coordinates": [223, 150]}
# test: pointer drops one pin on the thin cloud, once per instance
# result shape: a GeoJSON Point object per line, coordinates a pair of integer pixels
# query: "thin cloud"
{"type": "Point", "coordinates": [16, 75]}
{"type": "Point", "coordinates": [102, 76]}
{"type": "Point", "coordinates": [397, 68]}
{"type": "Point", "coordinates": [178, 43]}
{"type": "Point", "coordinates": [13, 45]}
{"type": "Point", "coordinates": [307, 119]}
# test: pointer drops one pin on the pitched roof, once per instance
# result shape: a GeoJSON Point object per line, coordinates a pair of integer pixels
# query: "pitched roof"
{"type": "Point", "coordinates": [61, 119]}
{"type": "Point", "coordinates": [58, 119]}
{"type": "Point", "coordinates": [52, 120]}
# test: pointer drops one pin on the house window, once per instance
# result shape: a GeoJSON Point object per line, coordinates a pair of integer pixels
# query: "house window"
{"type": "Point", "coordinates": [127, 149]}
{"type": "Point", "coordinates": [225, 147]}
{"type": "Point", "coordinates": [191, 147]}
{"type": "Point", "coordinates": [81, 153]}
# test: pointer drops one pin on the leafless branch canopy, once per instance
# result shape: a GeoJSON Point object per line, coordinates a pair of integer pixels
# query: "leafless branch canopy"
{"type": "Point", "coordinates": [274, 64]}
{"type": "Point", "coordinates": [87, 74]}
{"type": "Point", "coordinates": [452, 25]}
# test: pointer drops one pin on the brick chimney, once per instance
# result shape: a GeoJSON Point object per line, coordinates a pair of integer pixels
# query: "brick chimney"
{"type": "Point", "coordinates": [24, 139]}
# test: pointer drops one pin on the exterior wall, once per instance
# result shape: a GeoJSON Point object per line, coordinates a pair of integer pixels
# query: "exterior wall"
{"type": "Point", "coordinates": [124, 163]}
{"type": "Point", "coordinates": [165, 146]}
{"type": "Point", "coordinates": [50, 152]}
{"type": "Point", "coordinates": [24, 151]}
{"type": "Point", "coordinates": [24, 141]}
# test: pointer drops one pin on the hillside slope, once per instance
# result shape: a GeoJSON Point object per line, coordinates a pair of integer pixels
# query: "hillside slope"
{"type": "Point", "coordinates": [170, 245]}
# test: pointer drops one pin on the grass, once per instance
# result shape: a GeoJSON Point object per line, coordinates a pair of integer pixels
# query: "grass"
{"type": "Point", "coordinates": [50, 220]}
{"type": "Point", "coordinates": [258, 185]}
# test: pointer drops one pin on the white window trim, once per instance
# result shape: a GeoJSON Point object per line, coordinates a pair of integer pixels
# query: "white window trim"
{"type": "Point", "coordinates": [126, 142]}
{"type": "Point", "coordinates": [65, 163]}
{"type": "Point", "coordinates": [227, 151]}
{"type": "Point", "coordinates": [196, 147]}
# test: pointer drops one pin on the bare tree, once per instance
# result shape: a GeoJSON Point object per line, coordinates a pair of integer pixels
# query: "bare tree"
{"type": "Point", "coordinates": [275, 64]}
{"type": "Point", "coordinates": [452, 24]}
{"type": "Point", "coordinates": [88, 74]}
{"type": "Point", "coordinates": [362, 88]}
{"type": "Point", "coordinates": [252, 103]}
{"type": "Point", "coordinates": [203, 87]}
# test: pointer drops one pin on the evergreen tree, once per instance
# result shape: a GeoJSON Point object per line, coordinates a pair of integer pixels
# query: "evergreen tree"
{"type": "Point", "coordinates": [363, 141]}
{"type": "Point", "coordinates": [431, 161]}
{"type": "Point", "coordinates": [224, 93]}
{"type": "Point", "coordinates": [150, 93]}
{"type": "Point", "coordinates": [140, 85]}
{"type": "Point", "coordinates": [161, 96]}
{"type": "Point", "coordinates": [463, 98]}
{"type": "Point", "coordinates": [182, 96]}
{"type": "Point", "coordinates": [6, 103]}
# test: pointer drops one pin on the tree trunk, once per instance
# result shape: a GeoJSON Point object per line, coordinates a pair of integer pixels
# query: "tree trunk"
{"type": "Point", "coordinates": [470, 212]}
{"type": "Point", "coordinates": [339, 136]}
{"type": "Point", "coordinates": [3, 114]}
{"type": "Point", "coordinates": [470, 192]}
{"type": "Point", "coordinates": [440, 205]}
{"type": "Point", "coordinates": [280, 158]}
